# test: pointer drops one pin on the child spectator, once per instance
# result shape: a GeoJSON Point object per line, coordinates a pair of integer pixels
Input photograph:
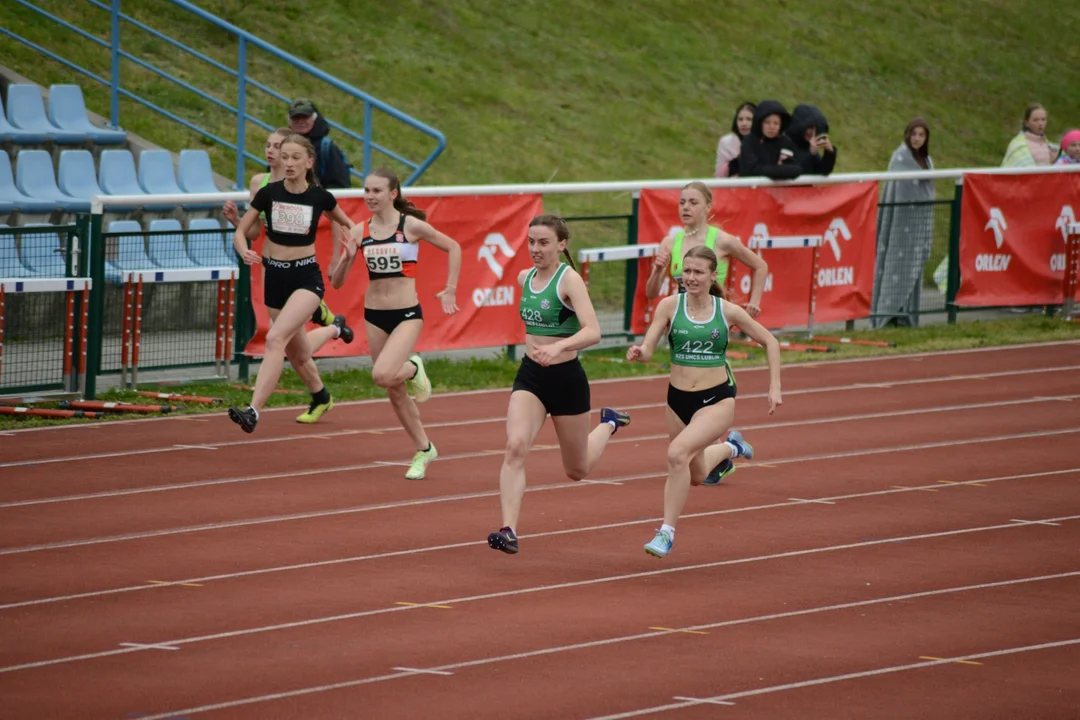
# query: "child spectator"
{"type": "Point", "coordinates": [1070, 149]}
{"type": "Point", "coordinates": [730, 145]}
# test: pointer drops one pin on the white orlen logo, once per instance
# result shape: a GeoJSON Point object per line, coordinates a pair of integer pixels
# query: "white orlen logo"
{"type": "Point", "coordinates": [1065, 219]}
{"type": "Point", "coordinates": [994, 262]}
{"type": "Point", "coordinates": [494, 245]}
{"type": "Point", "coordinates": [827, 277]}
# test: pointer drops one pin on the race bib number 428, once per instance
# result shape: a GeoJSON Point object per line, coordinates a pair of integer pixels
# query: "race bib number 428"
{"type": "Point", "coordinates": [383, 258]}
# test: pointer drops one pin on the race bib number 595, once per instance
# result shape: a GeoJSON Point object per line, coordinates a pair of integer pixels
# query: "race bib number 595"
{"type": "Point", "coordinates": [382, 258]}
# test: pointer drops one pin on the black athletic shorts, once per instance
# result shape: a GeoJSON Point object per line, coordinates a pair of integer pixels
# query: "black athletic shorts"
{"type": "Point", "coordinates": [284, 277]}
{"type": "Point", "coordinates": [387, 320]}
{"type": "Point", "coordinates": [685, 404]}
{"type": "Point", "coordinates": [562, 388]}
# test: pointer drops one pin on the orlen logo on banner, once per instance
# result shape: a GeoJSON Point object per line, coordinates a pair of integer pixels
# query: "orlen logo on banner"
{"type": "Point", "coordinates": [1065, 219]}
{"type": "Point", "coordinates": [494, 245]}
{"type": "Point", "coordinates": [994, 262]}
{"type": "Point", "coordinates": [827, 277]}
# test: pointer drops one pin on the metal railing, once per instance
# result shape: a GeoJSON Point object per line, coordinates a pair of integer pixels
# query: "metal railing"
{"type": "Point", "coordinates": [239, 73]}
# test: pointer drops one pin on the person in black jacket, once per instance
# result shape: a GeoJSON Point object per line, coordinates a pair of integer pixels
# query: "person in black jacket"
{"type": "Point", "coordinates": [768, 151]}
{"type": "Point", "coordinates": [809, 131]}
{"type": "Point", "coordinates": [331, 166]}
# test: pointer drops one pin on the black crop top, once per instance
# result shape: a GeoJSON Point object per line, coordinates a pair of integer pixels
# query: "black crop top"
{"type": "Point", "coordinates": [291, 219]}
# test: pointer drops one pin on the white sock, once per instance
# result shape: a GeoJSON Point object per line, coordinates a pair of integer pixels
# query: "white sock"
{"type": "Point", "coordinates": [669, 530]}
{"type": "Point", "coordinates": [735, 452]}
{"type": "Point", "coordinates": [337, 331]}
{"type": "Point", "coordinates": [614, 427]}
{"type": "Point", "coordinates": [255, 411]}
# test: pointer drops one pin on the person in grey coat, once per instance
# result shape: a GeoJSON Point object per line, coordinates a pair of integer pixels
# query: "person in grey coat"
{"type": "Point", "coordinates": [905, 233]}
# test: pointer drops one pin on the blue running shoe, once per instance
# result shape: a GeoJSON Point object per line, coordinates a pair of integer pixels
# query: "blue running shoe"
{"type": "Point", "coordinates": [618, 419]}
{"type": "Point", "coordinates": [504, 540]}
{"type": "Point", "coordinates": [746, 450]}
{"type": "Point", "coordinates": [719, 472]}
{"type": "Point", "coordinates": [660, 545]}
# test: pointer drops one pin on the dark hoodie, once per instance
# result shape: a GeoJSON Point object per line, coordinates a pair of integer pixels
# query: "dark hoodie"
{"type": "Point", "coordinates": [760, 156]}
{"type": "Point", "coordinates": [803, 117]}
{"type": "Point", "coordinates": [336, 172]}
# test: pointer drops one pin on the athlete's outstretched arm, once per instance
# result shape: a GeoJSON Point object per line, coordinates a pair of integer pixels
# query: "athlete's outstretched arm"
{"type": "Point", "coordinates": [424, 231]}
{"type": "Point", "coordinates": [737, 316]}
{"type": "Point", "coordinates": [664, 311]}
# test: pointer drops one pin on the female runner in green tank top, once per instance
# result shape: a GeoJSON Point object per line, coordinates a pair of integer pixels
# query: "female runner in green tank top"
{"type": "Point", "coordinates": [559, 321]}
{"type": "Point", "coordinates": [330, 326]}
{"type": "Point", "coordinates": [695, 205]}
{"type": "Point", "coordinates": [701, 392]}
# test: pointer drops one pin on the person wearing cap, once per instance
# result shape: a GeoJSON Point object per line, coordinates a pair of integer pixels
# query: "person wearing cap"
{"type": "Point", "coordinates": [1070, 149]}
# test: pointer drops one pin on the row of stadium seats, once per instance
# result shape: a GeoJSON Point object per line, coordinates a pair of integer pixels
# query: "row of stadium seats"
{"type": "Point", "coordinates": [34, 188]}
{"type": "Point", "coordinates": [39, 252]}
{"type": "Point", "coordinates": [26, 121]}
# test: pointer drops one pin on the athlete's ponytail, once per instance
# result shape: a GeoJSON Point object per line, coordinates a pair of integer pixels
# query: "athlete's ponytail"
{"type": "Point", "coordinates": [562, 233]}
{"type": "Point", "coordinates": [704, 253]}
{"type": "Point", "coordinates": [303, 142]}
{"type": "Point", "coordinates": [402, 205]}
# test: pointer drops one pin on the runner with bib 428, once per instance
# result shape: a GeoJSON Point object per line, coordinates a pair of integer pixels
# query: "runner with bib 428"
{"type": "Point", "coordinates": [701, 391]}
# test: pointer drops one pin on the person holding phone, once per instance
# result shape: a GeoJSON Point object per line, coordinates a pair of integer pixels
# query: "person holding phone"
{"type": "Point", "coordinates": [814, 152]}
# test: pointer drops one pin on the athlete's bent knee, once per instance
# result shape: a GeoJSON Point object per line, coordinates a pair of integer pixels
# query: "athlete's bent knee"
{"type": "Point", "coordinates": [384, 378]}
{"type": "Point", "coordinates": [517, 449]}
{"type": "Point", "coordinates": [677, 457]}
{"type": "Point", "coordinates": [576, 473]}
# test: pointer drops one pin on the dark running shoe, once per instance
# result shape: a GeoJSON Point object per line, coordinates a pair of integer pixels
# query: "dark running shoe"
{"type": "Point", "coordinates": [322, 315]}
{"type": "Point", "coordinates": [616, 418]}
{"type": "Point", "coordinates": [504, 540]}
{"type": "Point", "coordinates": [344, 331]}
{"type": "Point", "coordinates": [721, 471]}
{"type": "Point", "coordinates": [244, 418]}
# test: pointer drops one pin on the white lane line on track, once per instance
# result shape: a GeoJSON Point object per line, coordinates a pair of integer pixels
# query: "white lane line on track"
{"type": "Point", "coordinates": [469, 496]}
{"type": "Point", "coordinates": [550, 533]}
{"type": "Point", "coordinates": [502, 418]}
{"type": "Point", "coordinates": [532, 590]}
{"type": "Point", "coordinates": [651, 635]}
{"type": "Point", "coordinates": [631, 439]}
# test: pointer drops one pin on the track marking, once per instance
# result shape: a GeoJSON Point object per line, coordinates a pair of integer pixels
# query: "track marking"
{"type": "Point", "coordinates": [679, 630]}
{"type": "Point", "coordinates": [892, 357]}
{"type": "Point", "coordinates": [536, 589]}
{"type": "Point", "coordinates": [451, 498]}
{"type": "Point", "coordinates": [417, 671]}
{"type": "Point", "coordinates": [459, 545]}
{"type": "Point", "coordinates": [148, 646]}
{"type": "Point", "coordinates": [616, 641]}
{"type": "Point", "coordinates": [804, 500]}
{"type": "Point", "coordinates": [701, 701]}
{"type": "Point", "coordinates": [166, 582]}
{"type": "Point", "coordinates": [838, 678]}
{"type": "Point", "coordinates": [428, 605]}
{"type": "Point", "coordinates": [502, 419]}
{"type": "Point", "coordinates": [194, 447]}
{"type": "Point", "coordinates": [1035, 522]}
{"type": "Point", "coordinates": [962, 662]}
{"type": "Point", "coordinates": [384, 463]}
{"type": "Point", "coordinates": [952, 482]}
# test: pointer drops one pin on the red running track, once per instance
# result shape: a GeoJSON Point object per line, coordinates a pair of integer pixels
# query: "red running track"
{"type": "Point", "coordinates": [907, 543]}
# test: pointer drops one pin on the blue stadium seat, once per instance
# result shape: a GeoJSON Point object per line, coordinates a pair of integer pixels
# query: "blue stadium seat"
{"type": "Point", "coordinates": [12, 198]}
{"type": "Point", "coordinates": [130, 252]}
{"type": "Point", "coordinates": [13, 134]}
{"type": "Point", "coordinates": [195, 174]}
{"type": "Point", "coordinates": [116, 176]}
{"type": "Point", "coordinates": [156, 173]}
{"type": "Point", "coordinates": [67, 111]}
{"type": "Point", "coordinates": [76, 176]}
{"type": "Point", "coordinates": [208, 245]}
{"type": "Point", "coordinates": [168, 250]}
{"type": "Point", "coordinates": [41, 252]}
{"type": "Point", "coordinates": [34, 178]}
{"type": "Point", "coordinates": [26, 111]}
{"type": "Point", "coordinates": [10, 267]}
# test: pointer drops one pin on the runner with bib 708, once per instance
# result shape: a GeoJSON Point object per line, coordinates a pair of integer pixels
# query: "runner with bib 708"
{"type": "Point", "coordinates": [701, 391]}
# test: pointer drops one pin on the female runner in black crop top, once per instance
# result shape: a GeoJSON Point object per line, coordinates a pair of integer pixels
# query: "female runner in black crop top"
{"type": "Point", "coordinates": [389, 244]}
{"type": "Point", "coordinates": [294, 284]}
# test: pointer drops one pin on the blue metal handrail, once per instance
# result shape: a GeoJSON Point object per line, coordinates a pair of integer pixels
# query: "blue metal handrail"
{"type": "Point", "coordinates": [240, 73]}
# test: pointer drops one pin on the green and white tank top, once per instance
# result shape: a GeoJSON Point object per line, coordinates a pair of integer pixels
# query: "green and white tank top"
{"type": "Point", "coordinates": [677, 257]}
{"type": "Point", "coordinates": [698, 344]}
{"type": "Point", "coordinates": [543, 310]}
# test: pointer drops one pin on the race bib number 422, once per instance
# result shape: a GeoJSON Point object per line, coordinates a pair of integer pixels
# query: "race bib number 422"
{"type": "Point", "coordinates": [383, 258]}
{"type": "Point", "coordinates": [290, 218]}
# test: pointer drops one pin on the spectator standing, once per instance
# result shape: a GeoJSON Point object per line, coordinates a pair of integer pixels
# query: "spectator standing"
{"type": "Point", "coordinates": [1030, 147]}
{"type": "Point", "coordinates": [905, 232]}
{"type": "Point", "coordinates": [730, 145]}
{"type": "Point", "coordinates": [1070, 149]}
{"type": "Point", "coordinates": [809, 131]}
{"type": "Point", "coordinates": [767, 151]}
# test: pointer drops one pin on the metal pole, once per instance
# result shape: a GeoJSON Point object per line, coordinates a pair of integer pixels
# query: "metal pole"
{"type": "Point", "coordinates": [953, 285]}
{"type": "Point", "coordinates": [97, 306]}
{"type": "Point", "coordinates": [631, 267]}
{"type": "Point", "coordinates": [368, 134]}
{"type": "Point", "coordinates": [241, 110]}
{"type": "Point", "coordinates": [114, 100]}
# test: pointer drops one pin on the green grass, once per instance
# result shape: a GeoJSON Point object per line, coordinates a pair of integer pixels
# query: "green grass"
{"type": "Point", "coordinates": [451, 376]}
{"type": "Point", "coordinates": [583, 90]}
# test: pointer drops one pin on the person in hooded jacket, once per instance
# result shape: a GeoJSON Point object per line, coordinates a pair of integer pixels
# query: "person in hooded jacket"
{"type": "Point", "coordinates": [331, 167]}
{"type": "Point", "coordinates": [767, 150]}
{"type": "Point", "coordinates": [809, 131]}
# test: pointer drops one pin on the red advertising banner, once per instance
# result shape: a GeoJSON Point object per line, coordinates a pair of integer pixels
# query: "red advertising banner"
{"type": "Point", "coordinates": [492, 231]}
{"type": "Point", "coordinates": [844, 215]}
{"type": "Point", "coordinates": [1013, 230]}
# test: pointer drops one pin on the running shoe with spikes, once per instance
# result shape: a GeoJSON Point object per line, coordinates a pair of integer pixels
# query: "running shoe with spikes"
{"type": "Point", "coordinates": [245, 418]}
{"type": "Point", "coordinates": [322, 315]}
{"type": "Point", "coordinates": [344, 331]}
{"type": "Point", "coordinates": [418, 468]}
{"type": "Point", "coordinates": [745, 449]}
{"type": "Point", "coordinates": [660, 545]}
{"type": "Point", "coordinates": [315, 411]}
{"type": "Point", "coordinates": [504, 540]}
{"type": "Point", "coordinates": [615, 417]}
{"type": "Point", "coordinates": [419, 385]}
